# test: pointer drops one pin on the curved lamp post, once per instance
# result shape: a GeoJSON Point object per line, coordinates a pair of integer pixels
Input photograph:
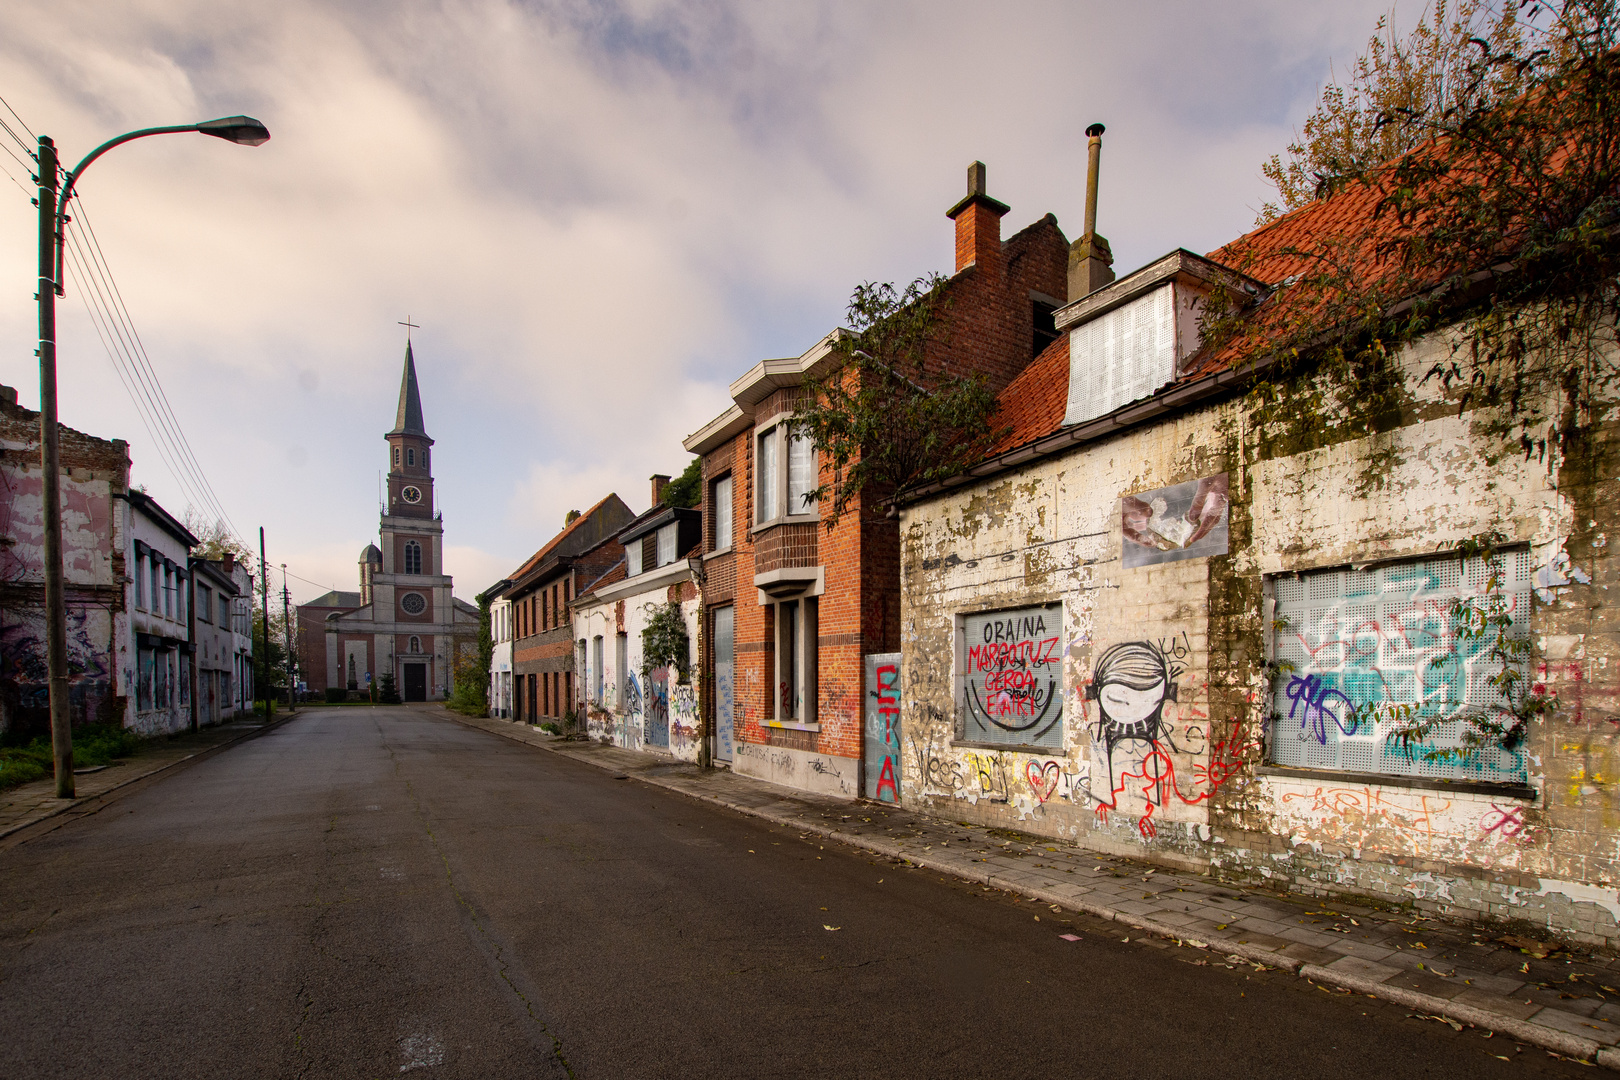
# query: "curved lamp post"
{"type": "Point", "coordinates": [243, 130]}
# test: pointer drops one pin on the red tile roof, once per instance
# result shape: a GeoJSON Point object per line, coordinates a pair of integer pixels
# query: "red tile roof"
{"type": "Point", "coordinates": [551, 545]}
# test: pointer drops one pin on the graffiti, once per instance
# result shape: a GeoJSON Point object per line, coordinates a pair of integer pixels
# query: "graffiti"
{"type": "Point", "coordinates": [1372, 651]}
{"type": "Point", "coordinates": [1317, 698]}
{"type": "Point", "coordinates": [1182, 521]}
{"type": "Point", "coordinates": [24, 678]}
{"type": "Point", "coordinates": [632, 695]}
{"type": "Point", "coordinates": [1507, 822]}
{"type": "Point", "coordinates": [683, 721]}
{"type": "Point", "coordinates": [882, 736]}
{"type": "Point", "coordinates": [1365, 809]}
{"type": "Point", "coordinates": [991, 772]}
{"type": "Point", "coordinates": [657, 705]}
{"type": "Point", "coordinates": [1043, 778]}
{"type": "Point", "coordinates": [723, 711]}
{"type": "Point", "coordinates": [1132, 737]}
{"type": "Point", "coordinates": [1010, 685]}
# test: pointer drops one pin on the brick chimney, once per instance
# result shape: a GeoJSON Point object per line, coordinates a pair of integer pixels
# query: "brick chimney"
{"type": "Point", "coordinates": [660, 481]}
{"type": "Point", "coordinates": [978, 226]}
{"type": "Point", "coordinates": [1091, 262]}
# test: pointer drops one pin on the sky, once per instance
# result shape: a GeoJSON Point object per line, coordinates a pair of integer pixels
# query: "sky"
{"type": "Point", "coordinates": [598, 214]}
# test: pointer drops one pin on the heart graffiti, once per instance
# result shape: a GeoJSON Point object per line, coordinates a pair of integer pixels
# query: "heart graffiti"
{"type": "Point", "coordinates": [1043, 778]}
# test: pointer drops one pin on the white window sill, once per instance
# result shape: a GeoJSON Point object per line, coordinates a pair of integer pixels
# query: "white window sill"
{"type": "Point", "coordinates": [791, 519]}
{"type": "Point", "coordinates": [790, 725]}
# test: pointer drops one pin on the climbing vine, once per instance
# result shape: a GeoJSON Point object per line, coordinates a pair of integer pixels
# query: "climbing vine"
{"type": "Point", "coordinates": [664, 641]}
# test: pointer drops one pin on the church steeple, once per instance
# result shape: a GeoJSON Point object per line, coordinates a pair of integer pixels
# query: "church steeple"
{"type": "Point", "coordinates": [408, 420]}
{"type": "Point", "coordinates": [410, 480]}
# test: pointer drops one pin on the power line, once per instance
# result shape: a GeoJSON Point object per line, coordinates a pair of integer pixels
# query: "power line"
{"type": "Point", "coordinates": [19, 120]}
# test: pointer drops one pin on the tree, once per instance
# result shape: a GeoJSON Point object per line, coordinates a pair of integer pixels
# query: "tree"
{"type": "Point", "coordinates": [469, 669]}
{"type": "Point", "coordinates": [215, 539]}
{"type": "Point", "coordinates": [1360, 124]}
{"type": "Point", "coordinates": [687, 488]}
{"type": "Point", "coordinates": [881, 416]}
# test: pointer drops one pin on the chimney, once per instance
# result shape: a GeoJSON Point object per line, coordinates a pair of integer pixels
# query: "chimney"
{"type": "Point", "coordinates": [978, 226]}
{"type": "Point", "coordinates": [1090, 260]}
{"type": "Point", "coordinates": [229, 559]}
{"type": "Point", "coordinates": [570, 517]}
{"type": "Point", "coordinates": [8, 395]}
{"type": "Point", "coordinates": [660, 481]}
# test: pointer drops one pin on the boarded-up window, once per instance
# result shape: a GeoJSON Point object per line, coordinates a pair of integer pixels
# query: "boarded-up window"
{"type": "Point", "coordinates": [1009, 677]}
{"type": "Point", "coordinates": [1122, 356]}
{"type": "Point", "coordinates": [1356, 642]}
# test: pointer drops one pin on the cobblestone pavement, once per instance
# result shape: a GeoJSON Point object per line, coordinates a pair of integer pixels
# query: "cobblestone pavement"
{"type": "Point", "coordinates": [29, 804]}
{"type": "Point", "coordinates": [1531, 991]}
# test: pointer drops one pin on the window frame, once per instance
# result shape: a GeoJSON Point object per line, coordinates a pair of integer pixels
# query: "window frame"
{"type": "Point", "coordinates": [412, 547]}
{"type": "Point", "coordinates": [667, 541]}
{"type": "Point", "coordinates": [797, 654]}
{"type": "Point", "coordinates": [716, 518]}
{"type": "Point", "coordinates": [778, 432]}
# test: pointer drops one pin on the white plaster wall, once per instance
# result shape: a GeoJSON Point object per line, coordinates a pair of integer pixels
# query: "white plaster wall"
{"type": "Point", "coordinates": [620, 717]}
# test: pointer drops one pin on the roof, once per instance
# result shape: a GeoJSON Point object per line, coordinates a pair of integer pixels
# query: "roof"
{"type": "Point", "coordinates": [615, 574]}
{"type": "Point", "coordinates": [335, 599]}
{"type": "Point", "coordinates": [371, 554]}
{"type": "Point", "coordinates": [162, 518]}
{"type": "Point", "coordinates": [408, 420]}
{"type": "Point", "coordinates": [556, 545]}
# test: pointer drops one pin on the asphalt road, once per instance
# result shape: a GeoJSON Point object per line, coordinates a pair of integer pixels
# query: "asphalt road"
{"type": "Point", "coordinates": [379, 892]}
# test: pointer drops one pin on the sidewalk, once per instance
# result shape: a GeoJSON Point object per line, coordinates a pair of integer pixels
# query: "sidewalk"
{"type": "Point", "coordinates": [29, 804]}
{"type": "Point", "coordinates": [1565, 1002]}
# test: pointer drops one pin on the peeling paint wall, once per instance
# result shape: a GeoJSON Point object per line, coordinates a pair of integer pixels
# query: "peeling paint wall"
{"type": "Point", "coordinates": [638, 710]}
{"type": "Point", "coordinates": [1166, 697]}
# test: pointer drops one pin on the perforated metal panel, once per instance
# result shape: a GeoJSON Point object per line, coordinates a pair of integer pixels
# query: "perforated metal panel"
{"type": "Point", "coordinates": [1387, 636]}
{"type": "Point", "coordinates": [1122, 356]}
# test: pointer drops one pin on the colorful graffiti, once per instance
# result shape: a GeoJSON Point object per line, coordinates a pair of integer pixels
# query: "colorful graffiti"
{"type": "Point", "coordinates": [1011, 678]}
{"type": "Point", "coordinates": [881, 774]}
{"type": "Point", "coordinates": [24, 680]}
{"type": "Point", "coordinates": [656, 726]}
{"type": "Point", "coordinates": [1133, 735]}
{"type": "Point", "coordinates": [683, 717]}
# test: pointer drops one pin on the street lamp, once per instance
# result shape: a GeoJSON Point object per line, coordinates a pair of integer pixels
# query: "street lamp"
{"type": "Point", "coordinates": [243, 130]}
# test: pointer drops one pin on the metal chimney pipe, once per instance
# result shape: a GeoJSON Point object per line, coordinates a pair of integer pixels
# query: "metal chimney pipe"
{"type": "Point", "coordinates": [1094, 155]}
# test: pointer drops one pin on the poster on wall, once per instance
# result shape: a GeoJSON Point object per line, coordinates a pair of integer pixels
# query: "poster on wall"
{"type": "Point", "coordinates": [1182, 521]}
{"type": "Point", "coordinates": [1008, 691]}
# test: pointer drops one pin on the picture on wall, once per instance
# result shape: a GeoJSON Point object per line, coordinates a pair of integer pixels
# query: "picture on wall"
{"type": "Point", "coordinates": [1182, 521]}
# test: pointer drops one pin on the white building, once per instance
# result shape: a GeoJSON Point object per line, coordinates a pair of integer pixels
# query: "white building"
{"type": "Point", "coordinates": [500, 661]}
{"type": "Point", "coordinates": [155, 660]}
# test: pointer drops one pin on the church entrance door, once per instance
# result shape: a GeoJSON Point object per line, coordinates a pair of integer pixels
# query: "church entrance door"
{"type": "Point", "coordinates": [415, 682]}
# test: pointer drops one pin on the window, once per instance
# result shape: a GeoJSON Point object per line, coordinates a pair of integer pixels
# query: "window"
{"type": "Point", "coordinates": [796, 660]}
{"type": "Point", "coordinates": [145, 674]}
{"type": "Point", "coordinates": [224, 611]}
{"type": "Point", "coordinates": [666, 545]}
{"type": "Point", "coordinates": [414, 645]}
{"type": "Point", "coordinates": [140, 579]}
{"type": "Point", "coordinates": [1009, 681]}
{"type": "Point", "coordinates": [1043, 318]}
{"type": "Point", "coordinates": [598, 682]}
{"type": "Point", "coordinates": [413, 603]}
{"type": "Point", "coordinates": [160, 682]}
{"type": "Point", "coordinates": [205, 603]}
{"type": "Point", "coordinates": [621, 669]}
{"type": "Point", "coordinates": [179, 596]}
{"type": "Point", "coordinates": [801, 479]}
{"type": "Point", "coordinates": [765, 476]}
{"type": "Point", "coordinates": [410, 457]}
{"type": "Point", "coordinates": [413, 557]}
{"type": "Point", "coordinates": [156, 578]}
{"type": "Point", "coordinates": [784, 485]}
{"type": "Point", "coordinates": [632, 557]}
{"type": "Point", "coordinates": [396, 455]}
{"type": "Point", "coordinates": [1360, 642]}
{"type": "Point", "coordinates": [720, 511]}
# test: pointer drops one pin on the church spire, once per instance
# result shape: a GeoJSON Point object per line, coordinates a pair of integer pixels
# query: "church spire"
{"type": "Point", "coordinates": [408, 421]}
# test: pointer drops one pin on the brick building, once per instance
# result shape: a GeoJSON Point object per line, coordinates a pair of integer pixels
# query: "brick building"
{"type": "Point", "coordinates": [538, 595]}
{"type": "Point", "coordinates": [792, 609]}
{"type": "Point", "coordinates": [404, 620]}
{"type": "Point", "coordinates": [1154, 622]}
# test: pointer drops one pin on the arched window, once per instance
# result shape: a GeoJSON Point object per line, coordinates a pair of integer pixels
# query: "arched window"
{"type": "Point", "coordinates": [410, 456]}
{"type": "Point", "coordinates": [413, 557]}
{"type": "Point", "coordinates": [416, 644]}
{"type": "Point", "coordinates": [396, 455]}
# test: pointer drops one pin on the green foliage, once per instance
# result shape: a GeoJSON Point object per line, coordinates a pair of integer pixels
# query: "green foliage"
{"type": "Point", "coordinates": [469, 673]}
{"type": "Point", "coordinates": [880, 417]}
{"type": "Point", "coordinates": [386, 692]}
{"type": "Point", "coordinates": [687, 488]}
{"type": "Point", "coordinates": [1502, 224]}
{"type": "Point", "coordinates": [95, 744]}
{"type": "Point", "coordinates": [664, 641]}
{"type": "Point", "coordinates": [551, 726]}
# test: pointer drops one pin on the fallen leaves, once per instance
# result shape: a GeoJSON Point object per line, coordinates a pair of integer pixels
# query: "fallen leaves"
{"type": "Point", "coordinates": [824, 926]}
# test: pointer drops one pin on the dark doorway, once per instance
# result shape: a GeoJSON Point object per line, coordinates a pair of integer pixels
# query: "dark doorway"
{"type": "Point", "coordinates": [415, 682]}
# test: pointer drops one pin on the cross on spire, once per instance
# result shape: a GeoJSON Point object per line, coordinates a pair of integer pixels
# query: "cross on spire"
{"type": "Point", "coordinates": [409, 326]}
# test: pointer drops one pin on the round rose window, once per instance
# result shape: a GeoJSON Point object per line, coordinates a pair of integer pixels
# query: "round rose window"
{"type": "Point", "coordinates": [412, 603]}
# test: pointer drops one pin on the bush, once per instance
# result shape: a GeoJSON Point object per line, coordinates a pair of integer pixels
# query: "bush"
{"type": "Point", "coordinates": [336, 694]}
{"type": "Point", "coordinates": [551, 726]}
{"type": "Point", "coordinates": [93, 745]}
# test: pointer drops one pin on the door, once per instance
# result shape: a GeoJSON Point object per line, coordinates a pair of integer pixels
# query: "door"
{"type": "Point", "coordinates": [880, 740]}
{"type": "Point", "coordinates": [415, 682]}
{"type": "Point", "coordinates": [724, 642]}
{"type": "Point", "coordinates": [658, 708]}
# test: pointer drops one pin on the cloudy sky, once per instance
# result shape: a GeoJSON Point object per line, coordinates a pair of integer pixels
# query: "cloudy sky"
{"type": "Point", "coordinates": [599, 214]}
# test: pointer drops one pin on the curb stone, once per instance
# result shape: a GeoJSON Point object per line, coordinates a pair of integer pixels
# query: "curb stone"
{"type": "Point", "coordinates": [1588, 1051]}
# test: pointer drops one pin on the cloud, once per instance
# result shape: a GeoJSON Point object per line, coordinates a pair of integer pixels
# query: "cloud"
{"type": "Point", "coordinates": [600, 213]}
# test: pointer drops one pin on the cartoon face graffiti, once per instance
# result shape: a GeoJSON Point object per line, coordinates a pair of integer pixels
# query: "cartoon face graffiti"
{"type": "Point", "coordinates": [1131, 684]}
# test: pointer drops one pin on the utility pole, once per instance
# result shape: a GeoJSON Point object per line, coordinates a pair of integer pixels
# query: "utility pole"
{"type": "Point", "coordinates": [51, 463]}
{"type": "Point", "coordinates": [286, 619]}
{"type": "Point", "coordinates": [264, 592]}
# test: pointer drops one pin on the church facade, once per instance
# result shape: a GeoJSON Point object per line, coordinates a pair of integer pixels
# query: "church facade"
{"type": "Point", "coordinates": [403, 620]}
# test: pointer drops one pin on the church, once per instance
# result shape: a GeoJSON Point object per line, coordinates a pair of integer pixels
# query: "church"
{"type": "Point", "coordinates": [403, 620]}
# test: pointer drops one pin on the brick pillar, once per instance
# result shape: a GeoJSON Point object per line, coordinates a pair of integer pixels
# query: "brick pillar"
{"type": "Point", "coordinates": [978, 226]}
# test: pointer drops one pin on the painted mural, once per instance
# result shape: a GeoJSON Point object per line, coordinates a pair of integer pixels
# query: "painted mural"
{"type": "Point", "coordinates": [1182, 521]}
{"type": "Point", "coordinates": [24, 681]}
